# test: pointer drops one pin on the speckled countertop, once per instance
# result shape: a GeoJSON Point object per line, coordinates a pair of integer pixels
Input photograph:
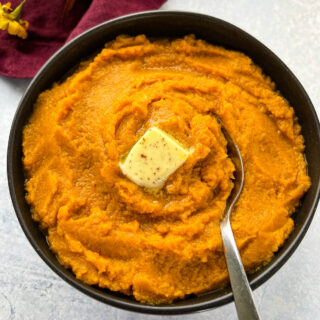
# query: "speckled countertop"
{"type": "Point", "coordinates": [30, 290]}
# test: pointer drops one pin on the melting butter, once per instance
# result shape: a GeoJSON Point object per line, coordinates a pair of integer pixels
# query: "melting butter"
{"type": "Point", "coordinates": [153, 159]}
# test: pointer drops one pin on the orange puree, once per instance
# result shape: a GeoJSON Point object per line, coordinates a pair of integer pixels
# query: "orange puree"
{"type": "Point", "coordinates": [162, 245]}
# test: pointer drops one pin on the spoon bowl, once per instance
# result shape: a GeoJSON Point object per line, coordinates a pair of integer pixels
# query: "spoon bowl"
{"type": "Point", "coordinates": [242, 292]}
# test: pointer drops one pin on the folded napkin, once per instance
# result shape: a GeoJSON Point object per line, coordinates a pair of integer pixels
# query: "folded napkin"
{"type": "Point", "coordinates": [50, 28]}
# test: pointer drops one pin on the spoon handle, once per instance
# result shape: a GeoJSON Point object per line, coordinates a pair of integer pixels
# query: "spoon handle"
{"type": "Point", "coordinates": [242, 293]}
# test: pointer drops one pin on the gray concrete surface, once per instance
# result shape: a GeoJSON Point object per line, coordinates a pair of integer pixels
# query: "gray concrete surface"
{"type": "Point", "coordinates": [30, 290]}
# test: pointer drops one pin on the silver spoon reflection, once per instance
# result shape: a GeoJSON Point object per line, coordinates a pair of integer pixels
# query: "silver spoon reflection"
{"type": "Point", "coordinates": [242, 292]}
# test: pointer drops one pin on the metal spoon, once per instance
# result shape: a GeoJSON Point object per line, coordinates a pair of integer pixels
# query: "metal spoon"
{"type": "Point", "coordinates": [242, 293]}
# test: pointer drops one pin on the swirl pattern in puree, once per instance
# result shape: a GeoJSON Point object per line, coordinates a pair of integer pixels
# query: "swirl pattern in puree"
{"type": "Point", "coordinates": [161, 246]}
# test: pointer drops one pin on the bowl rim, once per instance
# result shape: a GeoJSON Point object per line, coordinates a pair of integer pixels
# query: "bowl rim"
{"type": "Point", "coordinates": [115, 301]}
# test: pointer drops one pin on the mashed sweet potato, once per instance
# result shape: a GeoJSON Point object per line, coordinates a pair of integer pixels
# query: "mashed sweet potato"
{"type": "Point", "coordinates": [161, 246]}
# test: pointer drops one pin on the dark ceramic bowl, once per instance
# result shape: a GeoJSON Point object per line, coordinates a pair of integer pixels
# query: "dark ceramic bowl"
{"type": "Point", "coordinates": [166, 24]}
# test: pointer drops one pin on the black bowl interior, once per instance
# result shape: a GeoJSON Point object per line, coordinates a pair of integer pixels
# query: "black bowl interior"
{"type": "Point", "coordinates": [166, 24]}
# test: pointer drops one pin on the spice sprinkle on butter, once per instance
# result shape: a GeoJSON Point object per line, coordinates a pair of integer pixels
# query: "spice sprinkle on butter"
{"type": "Point", "coordinates": [153, 159]}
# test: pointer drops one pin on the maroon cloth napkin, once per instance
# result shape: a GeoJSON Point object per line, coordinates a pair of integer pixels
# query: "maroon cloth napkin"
{"type": "Point", "coordinates": [49, 30]}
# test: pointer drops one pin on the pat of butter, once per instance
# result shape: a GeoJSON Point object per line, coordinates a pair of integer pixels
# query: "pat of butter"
{"type": "Point", "coordinates": [153, 159]}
